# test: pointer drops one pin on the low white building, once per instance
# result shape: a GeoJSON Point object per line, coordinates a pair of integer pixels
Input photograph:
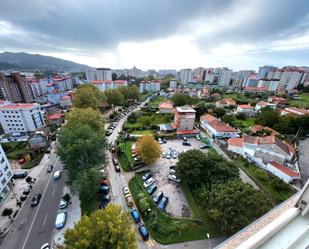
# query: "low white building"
{"type": "Point", "coordinates": [262, 104]}
{"type": "Point", "coordinates": [284, 173]}
{"type": "Point", "coordinates": [21, 118]}
{"type": "Point", "coordinates": [217, 128]}
{"type": "Point", "coordinates": [108, 84]}
{"type": "Point", "coordinates": [248, 109]}
{"type": "Point", "coordinates": [6, 174]}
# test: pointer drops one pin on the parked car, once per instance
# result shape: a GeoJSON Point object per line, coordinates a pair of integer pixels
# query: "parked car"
{"type": "Point", "coordinates": [104, 201]}
{"type": "Point", "coordinates": [151, 189]}
{"type": "Point", "coordinates": [160, 140]}
{"type": "Point", "coordinates": [204, 146]}
{"type": "Point", "coordinates": [135, 215]}
{"type": "Point", "coordinates": [164, 154]}
{"type": "Point", "coordinates": [63, 204]}
{"type": "Point", "coordinates": [173, 178]}
{"type": "Point", "coordinates": [36, 199]}
{"type": "Point", "coordinates": [173, 167]}
{"type": "Point", "coordinates": [104, 190]}
{"type": "Point", "coordinates": [184, 139]}
{"type": "Point", "coordinates": [147, 175]}
{"type": "Point", "coordinates": [143, 231]}
{"type": "Point", "coordinates": [104, 182]}
{"type": "Point", "coordinates": [45, 246]}
{"type": "Point", "coordinates": [125, 189]}
{"type": "Point", "coordinates": [198, 137]}
{"type": "Point", "coordinates": [117, 168]}
{"type": "Point", "coordinates": [172, 172]}
{"type": "Point", "coordinates": [168, 155]}
{"type": "Point", "coordinates": [174, 154]}
{"type": "Point", "coordinates": [129, 201]}
{"type": "Point", "coordinates": [20, 174]}
{"type": "Point", "coordinates": [186, 143]}
{"type": "Point", "coordinates": [113, 149]}
{"type": "Point", "coordinates": [57, 175]}
{"type": "Point", "coordinates": [106, 198]}
{"type": "Point", "coordinates": [163, 203]}
{"type": "Point", "coordinates": [148, 182]}
{"type": "Point", "coordinates": [157, 197]}
{"type": "Point", "coordinates": [27, 190]}
{"type": "Point", "coordinates": [164, 140]}
{"type": "Point", "coordinates": [115, 161]}
{"type": "Point", "coordinates": [60, 220]}
{"type": "Point", "coordinates": [49, 168]}
{"type": "Point", "coordinates": [23, 197]}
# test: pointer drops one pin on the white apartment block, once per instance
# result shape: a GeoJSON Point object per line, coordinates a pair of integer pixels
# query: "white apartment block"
{"type": "Point", "coordinates": [6, 174]}
{"type": "Point", "coordinates": [225, 77]}
{"type": "Point", "coordinates": [186, 75]}
{"type": "Point", "coordinates": [109, 84]}
{"type": "Point", "coordinates": [21, 118]}
{"type": "Point", "coordinates": [290, 79]}
{"type": "Point", "coordinates": [99, 74]}
{"type": "Point", "coordinates": [149, 86]}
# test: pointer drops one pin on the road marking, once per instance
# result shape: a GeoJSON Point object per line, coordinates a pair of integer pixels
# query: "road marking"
{"type": "Point", "coordinates": [36, 212]}
{"type": "Point", "coordinates": [53, 192]}
{"type": "Point", "coordinates": [45, 220]}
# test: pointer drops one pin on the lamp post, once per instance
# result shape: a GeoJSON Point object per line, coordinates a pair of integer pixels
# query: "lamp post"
{"type": "Point", "coordinates": [208, 237]}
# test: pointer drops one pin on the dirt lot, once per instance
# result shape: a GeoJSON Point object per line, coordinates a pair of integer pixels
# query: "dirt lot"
{"type": "Point", "coordinates": [178, 205]}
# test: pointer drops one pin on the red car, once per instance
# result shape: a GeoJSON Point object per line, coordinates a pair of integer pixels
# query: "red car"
{"type": "Point", "coordinates": [104, 182]}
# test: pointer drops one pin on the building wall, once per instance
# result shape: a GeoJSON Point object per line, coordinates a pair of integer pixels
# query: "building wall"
{"type": "Point", "coordinates": [279, 173]}
{"type": "Point", "coordinates": [6, 174]}
{"type": "Point", "coordinates": [225, 78]}
{"type": "Point", "coordinates": [235, 149]}
{"type": "Point", "coordinates": [208, 128]}
{"type": "Point", "coordinates": [21, 120]}
{"type": "Point", "coordinates": [186, 75]}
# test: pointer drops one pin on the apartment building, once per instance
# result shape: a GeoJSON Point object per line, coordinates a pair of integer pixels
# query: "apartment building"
{"type": "Point", "coordinates": [21, 118]}
{"type": "Point", "coordinates": [186, 75]}
{"type": "Point", "coordinates": [99, 74]}
{"type": "Point", "coordinates": [104, 85]}
{"type": "Point", "coordinates": [149, 86]}
{"type": "Point", "coordinates": [225, 77]}
{"type": "Point", "coordinates": [6, 174]}
{"type": "Point", "coordinates": [14, 87]}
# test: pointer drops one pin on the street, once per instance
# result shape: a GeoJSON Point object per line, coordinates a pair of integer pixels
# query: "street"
{"type": "Point", "coordinates": [34, 226]}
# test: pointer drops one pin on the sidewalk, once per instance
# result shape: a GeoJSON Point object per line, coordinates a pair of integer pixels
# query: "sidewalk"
{"type": "Point", "coordinates": [16, 192]}
{"type": "Point", "coordinates": [73, 216]}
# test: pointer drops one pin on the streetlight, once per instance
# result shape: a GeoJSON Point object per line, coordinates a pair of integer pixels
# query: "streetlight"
{"type": "Point", "coordinates": [208, 237]}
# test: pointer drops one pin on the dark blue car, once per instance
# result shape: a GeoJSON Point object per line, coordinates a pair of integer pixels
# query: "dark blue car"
{"type": "Point", "coordinates": [143, 231]}
{"type": "Point", "coordinates": [163, 203]}
{"type": "Point", "coordinates": [157, 197]}
{"type": "Point", "coordinates": [135, 215]}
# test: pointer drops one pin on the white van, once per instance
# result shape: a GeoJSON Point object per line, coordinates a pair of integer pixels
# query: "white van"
{"type": "Point", "coordinates": [57, 175]}
{"type": "Point", "coordinates": [60, 220]}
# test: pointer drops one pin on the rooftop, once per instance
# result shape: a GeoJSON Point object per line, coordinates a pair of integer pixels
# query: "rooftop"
{"type": "Point", "coordinates": [19, 106]}
{"type": "Point", "coordinates": [245, 106]}
{"type": "Point", "coordinates": [185, 109]}
{"type": "Point", "coordinates": [284, 169]}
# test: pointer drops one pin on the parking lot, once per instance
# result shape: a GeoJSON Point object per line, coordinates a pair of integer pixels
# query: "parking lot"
{"type": "Point", "coordinates": [178, 205]}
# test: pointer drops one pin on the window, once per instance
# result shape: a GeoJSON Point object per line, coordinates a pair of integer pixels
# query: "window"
{"type": "Point", "coordinates": [5, 116]}
{"type": "Point", "coordinates": [9, 174]}
{"type": "Point", "coordinates": [3, 181]}
{"type": "Point", "coordinates": [1, 174]}
{"type": "Point", "coordinates": [6, 168]}
{"type": "Point", "coordinates": [2, 160]}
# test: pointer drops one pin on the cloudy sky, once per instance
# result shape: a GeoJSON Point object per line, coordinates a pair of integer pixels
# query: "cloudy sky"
{"type": "Point", "coordinates": [240, 34]}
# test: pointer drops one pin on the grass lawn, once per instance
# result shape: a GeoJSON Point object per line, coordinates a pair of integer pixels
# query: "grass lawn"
{"type": "Point", "coordinates": [15, 150]}
{"type": "Point", "coordinates": [142, 132]}
{"type": "Point", "coordinates": [266, 182]}
{"type": "Point", "coordinates": [34, 161]}
{"type": "Point", "coordinates": [126, 158]}
{"type": "Point", "coordinates": [247, 122]}
{"type": "Point", "coordinates": [303, 102]}
{"type": "Point", "coordinates": [196, 212]}
{"type": "Point", "coordinates": [164, 228]}
{"type": "Point", "coordinates": [156, 101]}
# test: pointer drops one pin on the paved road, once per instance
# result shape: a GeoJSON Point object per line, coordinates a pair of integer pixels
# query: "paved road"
{"type": "Point", "coordinates": [304, 159]}
{"type": "Point", "coordinates": [117, 180]}
{"type": "Point", "coordinates": [34, 226]}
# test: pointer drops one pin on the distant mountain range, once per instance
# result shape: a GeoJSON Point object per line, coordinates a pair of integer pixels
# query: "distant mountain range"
{"type": "Point", "coordinates": [24, 61]}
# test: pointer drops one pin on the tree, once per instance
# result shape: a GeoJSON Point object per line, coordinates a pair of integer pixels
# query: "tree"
{"type": "Point", "coordinates": [182, 99]}
{"type": "Point", "coordinates": [145, 120]}
{"type": "Point", "coordinates": [66, 197]}
{"type": "Point", "coordinates": [195, 169]}
{"type": "Point", "coordinates": [134, 92]}
{"type": "Point", "coordinates": [87, 96]}
{"type": "Point", "coordinates": [235, 204]}
{"type": "Point", "coordinates": [113, 97]}
{"type": "Point", "coordinates": [114, 76]}
{"type": "Point", "coordinates": [267, 117]}
{"type": "Point", "coordinates": [219, 112]}
{"type": "Point", "coordinates": [148, 149]}
{"type": "Point", "coordinates": [84, 116]}
{"type": "Point", "coordinates": [80, 149]}
{"type": "Point", "coordinates": [8, 212]}
{"type": "Point", "coordinates": [105, 228]}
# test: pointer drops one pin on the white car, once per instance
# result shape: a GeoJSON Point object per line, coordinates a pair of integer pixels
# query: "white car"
{"type": "Point", "coordinates": [173, 178]}
{"type": "Point", "coordinates": [63, 204]}
{"type": "Point", "coordinates": [148, 182]}
{"type": "Point", "coordinates": [125, 189]}
{"type": "Point", "coordinates": [45, 246]}
{"type": "Point", "coordinates": [160, 141]}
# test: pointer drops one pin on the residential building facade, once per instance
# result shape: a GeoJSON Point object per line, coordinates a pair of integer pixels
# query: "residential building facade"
{"type": "Point", "coordinates": [6, 174]}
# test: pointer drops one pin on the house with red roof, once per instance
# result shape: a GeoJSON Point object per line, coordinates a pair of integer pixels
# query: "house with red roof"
{"type": "Point", "coordinates": [262, 104]}
{"type": "Point", "coordinates": [247, 109]}
{"type": "Point", "coordinates": [55, 119]}
{"type": "Point", "coordinates": [228, 102]}
{"type": "Point", "coordinates": [216, 128]}
{"type": "Point", "coordinates": [284, 173]}
{"type": "Point", "coordinates": [294, 111]}
{"type": "Point", "coordinates": [166, 107]}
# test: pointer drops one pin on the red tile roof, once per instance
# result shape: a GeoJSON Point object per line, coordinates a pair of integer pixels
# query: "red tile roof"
{"type": "Point", "coordinates": [284, 169]}
{"type": "Point", "coordinates": [97, 82]}
{"type": "Point", "coordinates": [166, 105]}
{"type": "Point", "coordinates": [221, 126]}
{"type": "Point", "coordinates": [208, 118]}
{"type": "Point", "coordinates": [245, 106]}
{"type": "Point", "coordinates": [54, 116]}
{"type": "Point", "coordinates": [256, 128]}
{"type": "Point", "coordinates": [182, 132]}
{"type": "Point", "coordinates": [19, 106]}
{"type": "Point", "coordinates": [237, 142]}
{"type": "Point", "coordinates": [251, 140]}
